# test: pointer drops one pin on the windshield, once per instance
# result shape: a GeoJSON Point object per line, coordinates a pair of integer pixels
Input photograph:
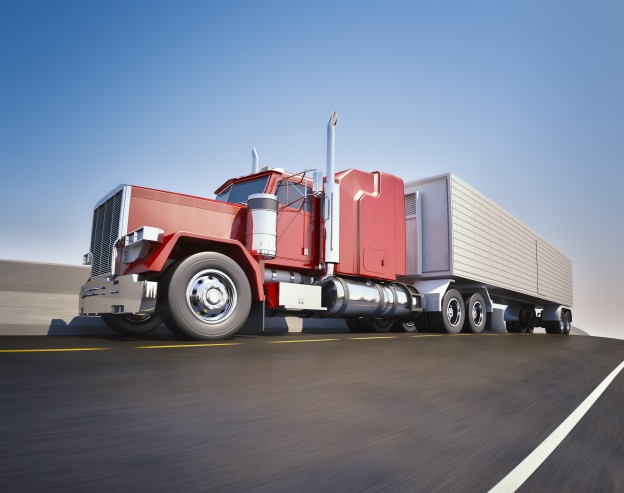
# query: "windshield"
{"type": "Point", "coordinates": [239, 192]}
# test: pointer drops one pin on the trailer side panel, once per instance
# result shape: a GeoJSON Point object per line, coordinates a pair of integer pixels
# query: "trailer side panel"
{"type": "Point", "coordinates": [554, 274]}
{"type": "Point", "coordinates": [486, 243]}
{"type": "Point", "coordinates": [489, 244]}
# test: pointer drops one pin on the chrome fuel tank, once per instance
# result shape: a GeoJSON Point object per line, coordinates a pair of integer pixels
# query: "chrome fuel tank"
{"type": "Point", "coordinates": [347, 298]}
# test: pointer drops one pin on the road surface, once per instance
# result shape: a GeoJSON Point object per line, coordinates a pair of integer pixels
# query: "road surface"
{"type": "Point", "coordinates": [322, 412]}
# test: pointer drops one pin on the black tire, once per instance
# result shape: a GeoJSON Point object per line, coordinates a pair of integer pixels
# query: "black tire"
{"type": "Point", "coordinates": [405, 326]}
{"type": "Point", "coordinates": [355, 325]}
{"type": "Point", "coordinates": [451, 318]}
{"type": "Point", "coordinates": [525, 324]}
{"type": "Point", "coordinates": [476, 314]}
{"type": "Point", "coordinates": [513, 326]}
{"type": "Point", "coordinates": [205, 297]}
{"type": "Point", "coordinates": [567, 322]}
{"type": "Point", "coordinates": [553, 327]}
{"type": "Point", "coordinates": [527, 320]}
{"type": "Point", "coordinates": [381, 324]}
{"type": "Point", "coordinates": [163, 303]}
{"type": "Point", "coordinates": [421, 324]}
{"type": "Point", "coordinates": [558, 326]}
{"type": "Point", "coordinates": [132, 325]}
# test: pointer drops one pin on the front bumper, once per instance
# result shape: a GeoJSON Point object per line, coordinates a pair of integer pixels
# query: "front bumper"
{"type": "Point", "coordinates": [121, 294]}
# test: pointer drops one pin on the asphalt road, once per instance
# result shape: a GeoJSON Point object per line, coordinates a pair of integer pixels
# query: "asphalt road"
{"type": "Point", "coordinates": [328, 412]}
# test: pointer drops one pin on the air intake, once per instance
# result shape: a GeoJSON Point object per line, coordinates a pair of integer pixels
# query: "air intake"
{"type": "Point", "coordinates": [108, 225]}
{"type": "Point", "coordinates": [410, 204]}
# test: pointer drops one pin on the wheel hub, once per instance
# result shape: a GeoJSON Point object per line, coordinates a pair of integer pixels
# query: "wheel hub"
{"type": "Point", "coordinates": [453, 312]}
{"type": "Point", "coordinates": [211, 295]}
{"type": "Point", "coordinates": [477, 314]}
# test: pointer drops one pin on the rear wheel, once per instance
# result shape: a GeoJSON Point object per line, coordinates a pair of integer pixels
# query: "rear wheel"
{"type": "Point", "coordinates": [421, 324]}
{"type": "Point", "coordinates": [567, 322]}
{"type": "Point", "coordinates": [527, 320]}
{"type": "Point", "coordinates": [451, 318]}
{"type": "Point", "coordinates": [355, 325]}
{"type": "Point", "coordinates": [561, 326]}
{"type": "Point", "coordinates": [555, 327]}
{"type": "Point", "coordinates": [476, 316]}
{"type": "Point", "coordinates": [513, 326]}
{"type": "Point", "coordinates": [381, 324]}
{"type": "Point", "coordinates": [405, 326]}
{"type": "Point", "coordinates": [132, 325]}
{"type": "Point", "coordinates": [206, 297]}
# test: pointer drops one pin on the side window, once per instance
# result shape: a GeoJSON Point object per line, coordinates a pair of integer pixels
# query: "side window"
{"type": "Point", "coordinates": [292, 195]}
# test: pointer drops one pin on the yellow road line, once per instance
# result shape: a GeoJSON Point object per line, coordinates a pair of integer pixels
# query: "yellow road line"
{"type": "Point", "coordinates": [190, 345]}
{"type": "Point", "coordinates": [430, 335]}
{"type": "Point", "coordinates": [58, 350]}
{"type": "Point", "coordinates": [373, 337]}
{"type": "Point", "coordinates": [301, 340]}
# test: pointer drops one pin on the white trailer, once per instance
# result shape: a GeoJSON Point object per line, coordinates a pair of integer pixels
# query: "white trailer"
{"type": "Point", "coordinates": [465, 253]}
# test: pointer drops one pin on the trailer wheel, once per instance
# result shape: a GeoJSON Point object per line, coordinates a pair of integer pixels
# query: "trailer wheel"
{"type": "Point", "coordinates": [476, 315]}
{"type": "Point", "coordinates": [554, 327]}
{"type": "Point", "coordinates": [525, 324]}
{"type": "Point", "coordinates": [559, 326]}
{"type": "Point", "coordinates": [206, 297]}
{"type": "Point", "coordinates": [567, 322]}
{"type": "Point", "coordinates": [512, 326]}
{"type": "Point", "coordinates": [451, 318]}
{"type": "Point", "coordinates": [132, 325]}
{"type": "Point", "coordinates": [527, 320]}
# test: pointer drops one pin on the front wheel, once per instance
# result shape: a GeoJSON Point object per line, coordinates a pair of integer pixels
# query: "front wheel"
{"type": "Point", "coordinates": [132, 325]}
{"type": "Point", "coordinates": [206, 297]}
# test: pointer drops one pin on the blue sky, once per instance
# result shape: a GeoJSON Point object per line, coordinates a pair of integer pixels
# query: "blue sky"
{"type": "Point", "coordinates": [522, 99]}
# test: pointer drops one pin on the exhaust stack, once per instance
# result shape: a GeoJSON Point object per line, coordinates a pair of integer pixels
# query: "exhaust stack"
{"type": "Point", "coordinates": [255, 160]}
{"type": "Point", "coordinates": [332, 201]}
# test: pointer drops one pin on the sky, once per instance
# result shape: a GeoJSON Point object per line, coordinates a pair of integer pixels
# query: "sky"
{"type": "Point", "coordinates": [524, 100]}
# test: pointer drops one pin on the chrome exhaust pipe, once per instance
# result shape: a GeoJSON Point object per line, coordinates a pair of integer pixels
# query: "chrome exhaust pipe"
{"type": "Point", "coordinates": [255, 161]}
{"type": "Point", "coordinates": [332, 201]}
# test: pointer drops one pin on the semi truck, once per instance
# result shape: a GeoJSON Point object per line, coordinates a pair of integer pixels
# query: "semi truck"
{"type": "Point", "coordinates": [367, 247]}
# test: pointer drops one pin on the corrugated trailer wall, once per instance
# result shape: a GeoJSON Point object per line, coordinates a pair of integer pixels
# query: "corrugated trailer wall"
{"type": "Point", "coordinates": [554, 274]}
{"type": "Point", "coordinates": [485, 243]}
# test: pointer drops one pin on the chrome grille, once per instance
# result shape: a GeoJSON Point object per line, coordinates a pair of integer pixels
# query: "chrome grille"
{"type": "Point", "coordinates": [104, 233]}
{"type": "Point", "coordinates": [410, 204]}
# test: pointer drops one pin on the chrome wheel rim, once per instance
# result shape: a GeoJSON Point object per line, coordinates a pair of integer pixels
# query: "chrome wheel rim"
{"type": "Point", "coordinates": [453, 312]}
{"type": "Point", "coordinates": [211, 296]}
{"type": "Point", "coordinates": [477, 314]}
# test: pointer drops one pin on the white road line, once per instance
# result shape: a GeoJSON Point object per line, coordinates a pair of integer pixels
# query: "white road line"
{"type": "Point", "coordinates": [521, 473]}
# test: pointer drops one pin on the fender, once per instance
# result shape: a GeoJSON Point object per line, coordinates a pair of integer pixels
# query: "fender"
{"type": "Point", "coordinates": [184, 243]}
{"type": "Point", "coordinates": [552, 313]}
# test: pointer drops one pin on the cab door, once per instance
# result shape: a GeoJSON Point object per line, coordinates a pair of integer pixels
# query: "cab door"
{"type": "Point", "coordinates": [294, 224]}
